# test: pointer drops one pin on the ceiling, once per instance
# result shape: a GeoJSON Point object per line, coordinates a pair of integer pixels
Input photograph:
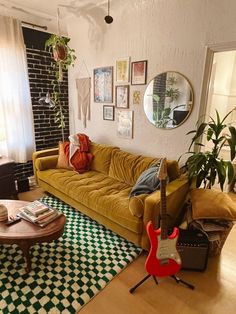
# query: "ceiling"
{"type": "Point", "coordinates": [44, 8]}
{"type": "Point", "coordinates": [44, 12]}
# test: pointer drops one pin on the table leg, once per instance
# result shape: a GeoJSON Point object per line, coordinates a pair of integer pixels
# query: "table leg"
{"type": "Point", "coordinates": [25, 247]}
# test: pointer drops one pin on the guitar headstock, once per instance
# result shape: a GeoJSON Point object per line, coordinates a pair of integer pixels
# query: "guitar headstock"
{"type": "Point", "coordinates": [162, 174]}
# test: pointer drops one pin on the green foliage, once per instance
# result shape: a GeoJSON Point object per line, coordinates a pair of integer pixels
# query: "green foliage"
{"type": "Point", "coordinates": [173, 93]}
{"type": "Point", "coordinates": [56, 41]}
{"type": "Point", "coordinates": [172, 80]}
{"type": "Point", "coordinates": [58, 66]}
{"type": "Point", "coordinates": [207, 166]}
{"type": "Point", "coordinates": [162, 116]}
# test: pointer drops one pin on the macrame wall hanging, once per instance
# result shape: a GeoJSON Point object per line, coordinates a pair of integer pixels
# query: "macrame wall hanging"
{"type": "Point", "coordinates": [83, 86]}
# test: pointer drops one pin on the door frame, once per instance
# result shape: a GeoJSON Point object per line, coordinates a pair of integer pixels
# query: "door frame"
{"type": "Point", "coordinates": [209, 55]}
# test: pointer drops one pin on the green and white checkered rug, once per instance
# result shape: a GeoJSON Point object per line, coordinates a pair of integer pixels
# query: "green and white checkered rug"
{"type": "Point", "coordinates": [66, 273]}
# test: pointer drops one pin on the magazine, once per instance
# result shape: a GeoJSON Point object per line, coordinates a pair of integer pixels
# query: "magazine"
{"type": "Point", "coordinates": [47, 215]}
{"type": "Point", "coordinates": [36, 208]}
{"type": "Point", "coordinates": [34, 218]}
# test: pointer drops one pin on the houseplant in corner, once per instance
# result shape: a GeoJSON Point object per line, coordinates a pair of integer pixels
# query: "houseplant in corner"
{"type": "Point", "coordinates": [64, 57]}
{"type": "Point", "coordinates": [207, 166]}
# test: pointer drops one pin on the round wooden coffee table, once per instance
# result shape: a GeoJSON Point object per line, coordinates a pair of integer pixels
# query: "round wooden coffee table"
{"type": "Point", "coordinates": [25, 234]}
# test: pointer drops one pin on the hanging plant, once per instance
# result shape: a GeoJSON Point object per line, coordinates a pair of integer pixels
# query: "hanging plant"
{"type": "Point", "coordinates": [62, 53]}
{"type": "Point", "coordinates": [64, 57]}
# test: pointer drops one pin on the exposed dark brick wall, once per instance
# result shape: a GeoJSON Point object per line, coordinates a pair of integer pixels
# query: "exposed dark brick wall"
{"type": "Point", "coordinates": [47, 133]}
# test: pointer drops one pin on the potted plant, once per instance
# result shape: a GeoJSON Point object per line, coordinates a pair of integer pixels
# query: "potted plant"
{"type": "Point", "coordinates": [207, 166]}
{"type": "Point", "coordinates": [64, 57]}
{"type": "Point", "coordinates": [162, 115]}
{"type": "Point", "coordinates": [172, 94]}
{"type": "Point", "coordinates": [60, 48]}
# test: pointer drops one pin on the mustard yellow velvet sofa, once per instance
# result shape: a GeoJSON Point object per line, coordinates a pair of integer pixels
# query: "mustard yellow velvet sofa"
{"type": "Point", "coordinates": [103, 192]}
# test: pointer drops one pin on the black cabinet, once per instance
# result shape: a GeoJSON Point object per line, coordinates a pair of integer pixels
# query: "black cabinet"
{"type": "Point", "coordinates": [7, 181]}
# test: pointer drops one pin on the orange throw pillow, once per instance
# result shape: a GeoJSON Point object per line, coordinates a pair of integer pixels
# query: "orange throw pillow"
{"type": "Point", "coordinates": [63, 158]}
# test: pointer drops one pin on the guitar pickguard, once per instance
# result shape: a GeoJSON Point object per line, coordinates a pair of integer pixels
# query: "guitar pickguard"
{"type": "Point", "coordinates": [167, 250]}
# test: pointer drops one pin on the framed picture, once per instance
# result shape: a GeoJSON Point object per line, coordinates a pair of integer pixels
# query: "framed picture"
{"type": "Point", "coordinates": [124, 123]}
{"type": "Point", "coordinates": [122, 96]}
{"type": "Point", "coordinates": [136, 97]}
{"type": "Point", "coordinates": [139, 72]}
{"type": "Point", "coordinates": [122, 70]}
{"type": "Point", "coordinates": [108, 113]}
{"type": "Point", "coordinates": [103, 84]}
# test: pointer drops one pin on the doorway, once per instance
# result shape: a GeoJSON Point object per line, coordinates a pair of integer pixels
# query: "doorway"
{"type": "Point", "coordinates": [219, 92]}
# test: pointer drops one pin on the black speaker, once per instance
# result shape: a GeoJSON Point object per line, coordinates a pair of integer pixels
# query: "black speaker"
{"type": "Point", "coordinates": [193, 247]}
{"type": "Point", "coordinates": [23, 185]}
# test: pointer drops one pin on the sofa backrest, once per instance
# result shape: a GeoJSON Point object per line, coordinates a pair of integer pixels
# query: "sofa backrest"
{"type": "Point", "coordinates": [102, 157]}
{"type": "Point", "coordinates": [122, 165]}
{"type": "Point", "coordinates": [127, 167]}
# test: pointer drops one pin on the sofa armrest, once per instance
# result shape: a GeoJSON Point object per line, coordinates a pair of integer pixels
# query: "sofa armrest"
{"type": "Point", "coordinates": [176, 193]}
{"type": "Point", "coordinates": [136, 205]}
{"type": "Point", "coordinates": [42, 153]}
{"type": "Point", "coordinates": [48, 162]}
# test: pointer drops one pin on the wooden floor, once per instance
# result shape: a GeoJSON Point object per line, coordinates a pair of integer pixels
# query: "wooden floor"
{"type": "Point", "coordinates": [215, 291]}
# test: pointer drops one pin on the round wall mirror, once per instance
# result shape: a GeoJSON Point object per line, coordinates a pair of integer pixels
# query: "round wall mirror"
{"type": "Point", "coordinates": [168, 100]}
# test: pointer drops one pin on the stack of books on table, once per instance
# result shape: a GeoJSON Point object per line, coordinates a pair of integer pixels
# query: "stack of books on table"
{"type": "Point", "coordinates": [39, 213]}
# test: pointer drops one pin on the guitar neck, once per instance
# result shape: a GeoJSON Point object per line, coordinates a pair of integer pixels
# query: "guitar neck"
{"type": "Point", "coordinates": [164, 225]}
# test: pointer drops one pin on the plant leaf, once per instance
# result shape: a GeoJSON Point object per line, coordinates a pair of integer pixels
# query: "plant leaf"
{"type": "Point", "coordinates": [232, 142]}
{"type": "Point", "coordinates": [230, 167]}
{"type": "Point", "coordinates": [209, 134]}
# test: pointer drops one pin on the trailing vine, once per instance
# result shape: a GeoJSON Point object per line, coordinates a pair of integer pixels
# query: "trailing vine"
{"type": "Point", "coordinates": [64, 57]}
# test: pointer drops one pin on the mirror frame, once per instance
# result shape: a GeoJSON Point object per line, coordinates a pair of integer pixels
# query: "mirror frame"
{"type": "Point", "coordinates": [192, 104]}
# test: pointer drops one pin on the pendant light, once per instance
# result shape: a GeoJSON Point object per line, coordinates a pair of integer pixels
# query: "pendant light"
{"type": "Point", "coordinates": [108, 19]}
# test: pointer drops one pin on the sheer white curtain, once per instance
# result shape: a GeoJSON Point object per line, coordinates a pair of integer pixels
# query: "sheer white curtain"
{"type": "Point", "coordinates": [16, 117]}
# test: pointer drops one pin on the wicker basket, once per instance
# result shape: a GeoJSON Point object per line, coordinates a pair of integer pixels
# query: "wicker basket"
{"type": "Point", "coordinates": [215, 247]}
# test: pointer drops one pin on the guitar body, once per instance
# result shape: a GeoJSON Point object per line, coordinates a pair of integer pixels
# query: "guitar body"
{"type": "Point", "coordinates": [163, 258]}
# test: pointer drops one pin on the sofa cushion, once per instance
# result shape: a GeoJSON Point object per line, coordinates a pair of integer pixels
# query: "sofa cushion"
{"type": "Point", "coordinates": [99, 192]}
{"type": "Point", "coordinates": [122, 165]}
{"type": "Point", "coordinates": [143, 164]}
{"type": "Point", "coordinates": [211, 204]}
{"type": "Point", "coordinates": [173, 170]}
{"type": "Point", "coordinates": [102, 157]}
{"type": "Point", "coordinates": [63, 160]}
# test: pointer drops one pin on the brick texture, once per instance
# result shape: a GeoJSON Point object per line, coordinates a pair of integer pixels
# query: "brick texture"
{"type": "Point", "coordinates": [47, 133]}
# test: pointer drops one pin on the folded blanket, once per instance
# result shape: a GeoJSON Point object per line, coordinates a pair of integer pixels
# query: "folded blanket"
{"type": "Point", "coordinates": [78, 154]}
{"type": "Point", "coordinates": [148, 181]}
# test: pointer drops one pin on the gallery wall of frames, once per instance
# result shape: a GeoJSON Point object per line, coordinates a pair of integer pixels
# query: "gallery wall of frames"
{"type": "Point", "coordinates": [112, 89]}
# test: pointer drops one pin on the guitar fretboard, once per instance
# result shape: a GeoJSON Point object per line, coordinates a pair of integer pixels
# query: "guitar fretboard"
{"type": "Point", "coordinates": [164, 228]}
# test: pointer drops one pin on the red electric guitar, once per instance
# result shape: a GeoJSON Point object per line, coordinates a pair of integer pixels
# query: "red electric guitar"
{"type": "Point", "coordinates": [163, 259]}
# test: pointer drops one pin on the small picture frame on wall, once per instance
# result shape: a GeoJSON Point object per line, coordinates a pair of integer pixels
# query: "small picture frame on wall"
{"type": "Point", "coordinates": [122, 96]}
{"type": "Point", "coordinates": [108, 113]}
{"type": "Point", "coordinates": [125, 123]}
{"type": "Point", "coordinates": [136, 97]}
{"type": "Point", "coordinates": [139, 72]}
{"type": "Point", "coordinates": [103, 84]}
{"type": "Point", "coordinates": [122, 70]}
